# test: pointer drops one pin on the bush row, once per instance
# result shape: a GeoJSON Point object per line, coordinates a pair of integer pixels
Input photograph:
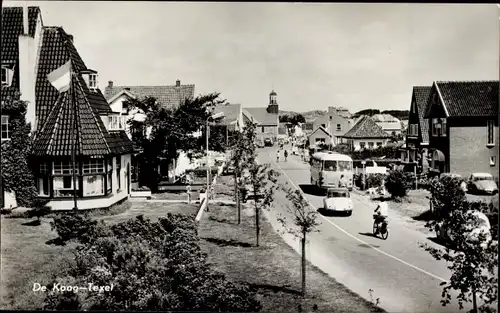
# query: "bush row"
{"type": "Point", "coordinates": [153, 266]}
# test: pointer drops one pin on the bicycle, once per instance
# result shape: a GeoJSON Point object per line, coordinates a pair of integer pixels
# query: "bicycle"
{"type": "Point", "coordinates": [381, 228]}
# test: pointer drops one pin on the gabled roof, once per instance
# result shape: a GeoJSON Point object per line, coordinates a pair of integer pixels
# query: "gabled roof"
{"type": "Point", "coordinates": [366, 128]}
{"type": "Point", "coordinates": [421, 96]}
{"type": "Point", "coordinates": [12, 28]}
{"type": "Point", "coordinates": [168, 96]}
{"type": "Point", "coordinates": [56, 49]}
{"type": "Point", "coordinates": [321, 128]}
{"type": "Point", "coordinates": [261, 116]}
{"type": "Point", "coordinates": [468, 98]}
{"type": "Point", "coordinates": [231, 112]}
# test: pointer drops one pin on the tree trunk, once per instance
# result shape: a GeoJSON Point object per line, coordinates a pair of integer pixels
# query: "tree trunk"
{"type": "Point", "coordinates": [303, 269]}
{"type": "Point", "coordinates": [237, 195]}
{"type": "Point", "coordinates": [474, 301]}
{"type": "Point", "coordinates": [257, 222]}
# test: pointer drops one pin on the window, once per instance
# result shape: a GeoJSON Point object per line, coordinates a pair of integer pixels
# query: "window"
{"type": "Point", "coordinates": [7, 75]}
{"type": "Point", "coordinates": [320, 139]}
{"type": "Point", "coordinates": [344, 166]}
{"type": "Point", "coordinates": [44, 168]}
{"type": "Point", "coordinates": [63, 186]}
{"type": "Point", "coordinates": [362, 145]}
{"type": "Point", "coordinates": [443, 127]}
{"type": "Point", "coordinates": [339, 127]}
{"type": "Point", "coordinates": [93, 185]}
{"type": "Point", "coordinates": [93, 81]}
{"type": "Point", "coordinates": [379, 143]}
{"type": "Point", "coordinates": [435, 127]}
{"type": "Point", "coordinates": [370, 145]}
{"type": "Point", "coordinates": [491, 136]}
{"type": "Point", "coordinates": [6, 131]}
{"type": "Point", "coordinates": [330, 166]}
{"type": "Point", "coordinates": [110, 174]}
{"type": "Point", "coordinates": [116, 122]}
{"type": "Point", "coordinates": [118, 171]}
{"type": "Point", "coordinates": [64, 168]}
{"type": "Point", "coordinates": [43, 186]}
{"type": "Point", "coordinates": [93, 166]}
{"type": "Point", "coordinates": [493, 160]}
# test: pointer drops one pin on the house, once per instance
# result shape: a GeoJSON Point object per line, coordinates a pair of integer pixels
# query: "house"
{"type": "Point", "coordinates": [390, 124]}
{"type": "Point", "coordinates": [366, 134]}
{"type": "Point", "coordinates": [417, 135]}
{"type": "Point", "coordinates": [266, 118]}
{"type": "Point", "coordinates": [336, 122]}
{"type": "Point", "coordinates": [168, 96]}
{"type": "Point", "coordinates": [307, 127]}
{"type": "Point", "coordinates": [463, 127]}
{"type": "Point", "coordinates": [320, 135]}
{"type": "Point", "coordinates": [233, 116]}
{"type": "Point", "coordinates": [102, 155]}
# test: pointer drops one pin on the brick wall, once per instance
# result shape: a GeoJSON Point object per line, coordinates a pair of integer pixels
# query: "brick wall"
{"type": "Point", "coordinates": [469, 153]}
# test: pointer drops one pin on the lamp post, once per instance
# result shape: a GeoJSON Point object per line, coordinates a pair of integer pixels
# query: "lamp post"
{"type": "Point", "coordinates": [213, 117]}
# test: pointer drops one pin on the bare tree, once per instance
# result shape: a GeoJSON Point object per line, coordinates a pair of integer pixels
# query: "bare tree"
{"type": "Point", "coordinates": [305, 220]}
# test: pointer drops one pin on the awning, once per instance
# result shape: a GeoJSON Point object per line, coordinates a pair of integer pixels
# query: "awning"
{"type": "Point", "coordinates": [437, 155]}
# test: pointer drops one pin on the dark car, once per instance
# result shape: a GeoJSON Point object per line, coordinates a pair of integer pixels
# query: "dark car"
{"type": "Point", "coordinates": [268, 142]}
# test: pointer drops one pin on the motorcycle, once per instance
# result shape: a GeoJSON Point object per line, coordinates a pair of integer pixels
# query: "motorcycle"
{"type": "Point", "coordinates": [381, 228]}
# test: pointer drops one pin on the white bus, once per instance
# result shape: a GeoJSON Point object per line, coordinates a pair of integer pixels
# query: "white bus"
{"type": "Point", "coordinates": [328, 167]}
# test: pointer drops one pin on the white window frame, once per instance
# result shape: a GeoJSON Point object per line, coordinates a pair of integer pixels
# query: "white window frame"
{"type": "Point", "coordinates": [8, 131]}
{"type": "Point", "coordinates": [490, 133]}
{"type": "Point", "coordinates": [94, 166]}
{"type": "Point", "coordinates": [117, 122]}
{"type": "Point", "coordinates": [61, 168]}
{"type": "Point", "coordinates": [93, 81]}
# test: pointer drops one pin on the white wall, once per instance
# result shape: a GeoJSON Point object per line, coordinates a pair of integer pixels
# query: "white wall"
{"type": "Point", "coordinates": [9, 200]}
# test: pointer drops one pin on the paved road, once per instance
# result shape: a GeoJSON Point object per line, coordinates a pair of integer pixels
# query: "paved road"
{"type": "Point", "coordinates": [403, 276]}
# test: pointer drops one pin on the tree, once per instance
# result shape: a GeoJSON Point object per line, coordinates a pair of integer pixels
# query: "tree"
{"type": "Point", "coordinates": [17, 176]}
{"type": "Point", "coordinates": [243, 153]}
{"type": "Point", "coordinates": [262, 181]}
{"type": "Point", "coordinates": [293, 118]}
{"type": "Point", "coordinates": [473, 263]}
{"type": "Point", "coordinates": [305, 218]}
{"type": "Point", "coordinates": [164, 132]}
{"type": "Point", "coordinates": [369, 112]}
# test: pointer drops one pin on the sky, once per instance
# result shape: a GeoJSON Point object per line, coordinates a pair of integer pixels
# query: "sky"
{"type": "Point", "coordinates": [314, 55]}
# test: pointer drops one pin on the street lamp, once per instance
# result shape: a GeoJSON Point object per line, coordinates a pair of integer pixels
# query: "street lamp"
{"type": "Point", "coordinates": [213, 117]}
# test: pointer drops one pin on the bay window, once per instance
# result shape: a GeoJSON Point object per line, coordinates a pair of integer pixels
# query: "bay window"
{"type": "Point", "coordinates": [63, 178]}
{"type": "Point", "coordinates": [43, 180]}
{"type": "Point", "coordinates": [93, 179]}
{"type": "Point", "coordinates": [6, 128]}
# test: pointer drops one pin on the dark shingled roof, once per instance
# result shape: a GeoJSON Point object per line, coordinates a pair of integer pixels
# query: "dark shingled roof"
{"type": "Point", "coordinates": [470, 98]}
{"type": "Point", "coordinates": [366, 128]}
{"type": "Point", "coordinates": [12, 28]}
{"type": "Point", "coordinates": [421, 94]}
{"type": "Point", "coordinates": [261, 116]}
{"type": "Point", "coordinates": [56, 49]}
{"type": "Point", "coordinates": [167, 96]}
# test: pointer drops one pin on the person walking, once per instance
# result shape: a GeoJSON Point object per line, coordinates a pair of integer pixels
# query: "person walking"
{"type": "Point", "coordinates": [285, 154]}
{"type": "Point", "coordinates": [277, 156]}
{"type": "Point", "coordinates": [188, 191]}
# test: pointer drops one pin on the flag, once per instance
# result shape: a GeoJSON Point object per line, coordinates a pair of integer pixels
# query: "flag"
{"type": "Point", "coordinates": [60, 78]}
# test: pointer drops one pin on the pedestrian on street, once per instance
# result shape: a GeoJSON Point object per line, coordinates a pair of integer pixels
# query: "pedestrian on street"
{"type": "Point", "coordinates": [285, 154]}
{"type": "Point", "coordinates": [277, 156]}
{"type": "Point", "coordinates": [188, 191]}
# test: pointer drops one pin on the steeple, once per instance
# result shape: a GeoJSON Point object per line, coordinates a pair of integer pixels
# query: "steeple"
{"type": "Point", "coordinates": [273, 103]}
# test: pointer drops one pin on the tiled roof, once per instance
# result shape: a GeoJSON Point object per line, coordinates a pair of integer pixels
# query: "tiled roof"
{"type": "Point", "coordinates": [421, 94]}
{"type": "Point", "coordinates": [56, 49]}
{"type": "Point", "coordinates": [12, 27]}
{"type": "Point", "coordinates": [366, 128]}
{"type": "Point", "coordinates": [167, 96]}
{"type": "Point", "coordinates": [322, 129]}
{"type": "Point", "coordinates": [119, 143]}
{"type": "Point", "coordinates": [470, 98]}
{"type": "Point", "coordinates": [231, 112]}
{"type": "Point", "coordinates": [261, 117]}
{"type": "Point", "coordinates": [54, 137]}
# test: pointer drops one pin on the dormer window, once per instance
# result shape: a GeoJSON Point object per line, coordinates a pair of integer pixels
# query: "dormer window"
{"type": "Point", "coordinates": [117, 122]}
{"type": "Point", "coordinates": [7, 74]}
{"type": "Point", "coordinates": [90, 77]}
{"type": "Point", "coordinates": [93, 81]}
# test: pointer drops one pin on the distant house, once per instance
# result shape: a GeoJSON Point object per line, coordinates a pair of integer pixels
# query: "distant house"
{"type": "Point", "coordinates": [417, 134]}
{"type": "Point", "coordinates": [102, 155]}
{"type": "Point", "coordinates": [336, 122]}
{"type": "Point", "coordinates": [167, 96]}
{"type": "Point", "coordinates": [307, 127]}
{"type": "Point", "coordinates": [320, 135]}
{"type": "Point", "coordinates": [266, 118]}
{"type": "Point", "coordinates": [463, 127]}
{"type": "Point", "coordinates": [366, 134]}
{"type": "Point", "coordinates": [233, 115]}
{"type": "Point", "coordinates": [390, 124]}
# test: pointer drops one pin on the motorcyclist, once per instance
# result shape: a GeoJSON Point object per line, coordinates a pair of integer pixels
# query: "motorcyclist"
{"type": "Point", "coordinates": [381, 212]}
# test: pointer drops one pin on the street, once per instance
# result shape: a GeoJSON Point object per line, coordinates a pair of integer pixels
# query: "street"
{"type": "Point", "coordinates": [402, 275]}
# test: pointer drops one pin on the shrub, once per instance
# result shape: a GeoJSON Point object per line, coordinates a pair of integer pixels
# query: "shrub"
{"type": "Point", "coordinates": [202, 171]}
{"type": "Point", "coordinates": [76, 225]}
{"type": "Point", "coordinates": [446, 195]}
{"type": "Point", "coordinates": [39, 212]}
{"type": "Point", "coordinates": [397, 184]}
{"type": "Point", "coordinates": [375, 180]}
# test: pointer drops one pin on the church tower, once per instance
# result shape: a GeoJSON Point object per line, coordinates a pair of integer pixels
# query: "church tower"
{"type": "Point", "coordinates": [273, 103]}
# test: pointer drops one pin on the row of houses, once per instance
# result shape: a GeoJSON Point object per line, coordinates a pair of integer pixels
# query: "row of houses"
{"type": "Point", "coordinates": [454, 125]}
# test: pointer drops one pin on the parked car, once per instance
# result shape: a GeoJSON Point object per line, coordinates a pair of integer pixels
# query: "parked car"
{"type": "Point", "coordinates": [268, 142]}
{"type": "Point", "coordinates": [463, 184]}
{"type": "Point", "coordinates": [338, 200]}
{"type": "Point", "coordinates": [482, 183]}
{"type": "Point", "coordinates": [445, 233]}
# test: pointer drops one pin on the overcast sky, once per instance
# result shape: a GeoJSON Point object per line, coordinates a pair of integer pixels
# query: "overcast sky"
{"type": "Point", "coordinates": [313, 55]}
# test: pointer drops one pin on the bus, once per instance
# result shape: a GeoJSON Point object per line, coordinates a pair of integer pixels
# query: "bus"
{"type": "Point", "coordinates": [328, 167]}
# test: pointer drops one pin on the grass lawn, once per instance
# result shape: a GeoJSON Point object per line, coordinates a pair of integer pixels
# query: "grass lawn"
{"type": "Point", "coordinates": [26, 258]}
{"type": "Point", "coordinates": [224, 188]}
{"type": "Point", "coordinates": [273, 269]}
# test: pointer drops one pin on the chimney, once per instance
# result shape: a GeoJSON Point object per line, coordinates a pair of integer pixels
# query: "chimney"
{"type": "Point", "coordinates": [110, 84]}
{"type": "Point", "coordinates": [25, 20]}
{"type": "Point", "coordinates": [178, 83]}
